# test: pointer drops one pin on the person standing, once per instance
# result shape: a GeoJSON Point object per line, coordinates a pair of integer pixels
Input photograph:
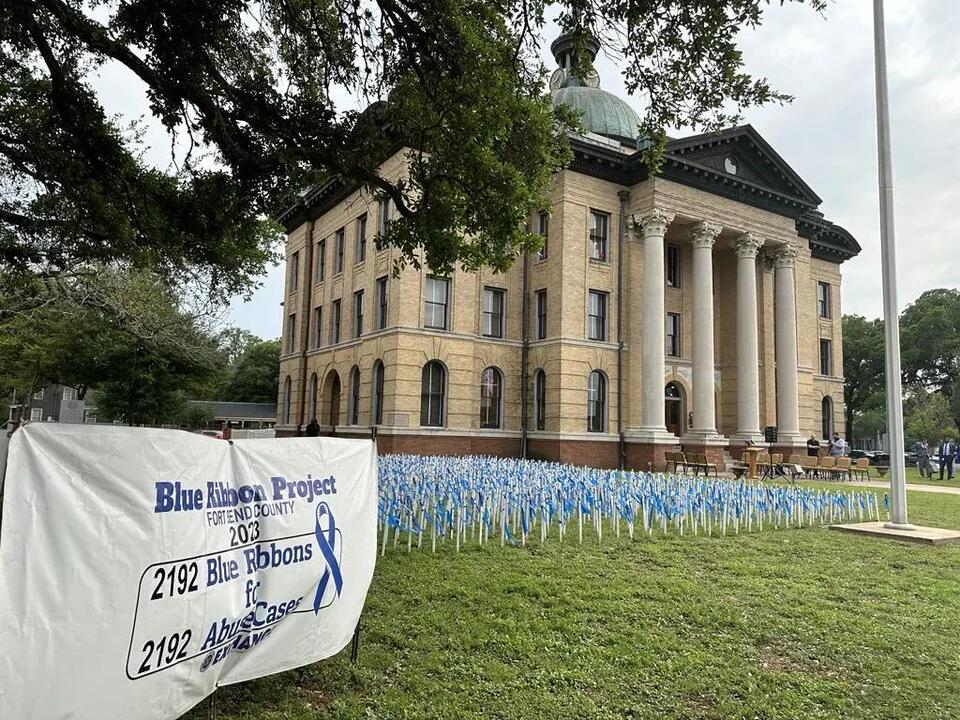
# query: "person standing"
{"type": "Point", "coordinates": [946, 451]}
{"type": "Point", "coordinates": [813, 446]}
{"type": "Point", "coordinates": [838, 447]}
{"type": "Point", "coordinates": [923, 457]}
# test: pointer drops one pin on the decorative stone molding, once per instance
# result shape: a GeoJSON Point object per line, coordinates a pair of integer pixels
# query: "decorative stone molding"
{"type": "Point", "coordinates": [785, 256]}
{"type": "Point", "coordinates": [747, 245]}
{"type": "Point", "coordinates": [703, 234]}
{"type": "Point", "coordinates": [654, 222]}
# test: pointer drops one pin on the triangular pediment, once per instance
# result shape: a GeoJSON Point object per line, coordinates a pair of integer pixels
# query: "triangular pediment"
{"type": "Point", "coordinates": [743, 154]}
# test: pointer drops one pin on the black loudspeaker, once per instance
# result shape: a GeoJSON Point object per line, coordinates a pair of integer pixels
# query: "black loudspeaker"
{"type": "Point", "coordinates": [770, 433]}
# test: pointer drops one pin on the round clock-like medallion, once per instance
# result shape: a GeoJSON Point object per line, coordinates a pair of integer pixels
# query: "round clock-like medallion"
{"type": "Point", "coordinates": [592, 78]}
{"type": "Point", "coordinates": [730, 165]}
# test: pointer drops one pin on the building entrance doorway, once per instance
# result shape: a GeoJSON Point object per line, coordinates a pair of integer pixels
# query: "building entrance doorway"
{"type": "Point", "coordinates": [673, 408]}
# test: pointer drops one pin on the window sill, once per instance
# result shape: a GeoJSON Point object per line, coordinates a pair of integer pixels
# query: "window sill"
{"type": "Point", "coordinates": [599, 262]}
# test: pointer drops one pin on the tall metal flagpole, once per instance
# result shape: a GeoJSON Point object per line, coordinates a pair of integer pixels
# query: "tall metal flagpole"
{"type": "Point", "coordinates": [888, 257]}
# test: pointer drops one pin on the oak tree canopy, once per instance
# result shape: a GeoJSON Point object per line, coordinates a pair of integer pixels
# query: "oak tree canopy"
{"type": "Point", "coordinates": [253, 95]}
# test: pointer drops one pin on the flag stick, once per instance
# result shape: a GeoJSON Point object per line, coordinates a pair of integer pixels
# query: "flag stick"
{"type": "Point", "coordinates": [888, 264]}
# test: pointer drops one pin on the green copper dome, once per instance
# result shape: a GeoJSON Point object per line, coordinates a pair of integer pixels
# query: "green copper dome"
{"type": "Point", "coordinates": [602, 112]}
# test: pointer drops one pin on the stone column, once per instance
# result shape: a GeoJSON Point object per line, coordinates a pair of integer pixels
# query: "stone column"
{"type": "Point", "coordinates": [702, 236]}
{"type": "Point", "coordinates": [785, 308]}
{"type": "Point", "coordinates": [653, 226]}
{"type": "Point", "coordinates": [748, 375]}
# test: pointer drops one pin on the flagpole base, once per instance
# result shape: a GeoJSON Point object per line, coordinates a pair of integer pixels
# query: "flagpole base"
{"type": "Point", "coordinates": [906, 527]}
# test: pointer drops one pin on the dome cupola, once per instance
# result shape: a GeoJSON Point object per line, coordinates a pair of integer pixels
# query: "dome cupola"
{"type": "Point", "coordinates": [601, 112]}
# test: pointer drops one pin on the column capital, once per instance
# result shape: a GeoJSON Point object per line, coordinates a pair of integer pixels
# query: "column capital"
{"type": "Point", "coordinates": [703, 234]}
{"type": "Point", "coordinates": [785, 256]}
{"type": "Point", "coordinates": [653, 222]}
{"type": "Point", "coordinates": [747, 245]}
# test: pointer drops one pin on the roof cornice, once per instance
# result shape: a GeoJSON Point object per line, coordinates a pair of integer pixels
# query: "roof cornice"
{"type": "Point", "coordinates": [827, 241]}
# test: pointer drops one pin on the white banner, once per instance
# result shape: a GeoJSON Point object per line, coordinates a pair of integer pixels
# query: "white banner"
{"type": "Point", "coordinates": [141, 568]}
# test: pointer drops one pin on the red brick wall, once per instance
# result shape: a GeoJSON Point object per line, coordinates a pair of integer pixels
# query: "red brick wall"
{"type": "Point", "coordinates": [593, 453]}
{"type": "Point", "coordinates": [448, 445]}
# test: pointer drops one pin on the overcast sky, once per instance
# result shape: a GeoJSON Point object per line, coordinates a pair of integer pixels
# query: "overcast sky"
{"type": "Point", "coordinates": [828, 135]}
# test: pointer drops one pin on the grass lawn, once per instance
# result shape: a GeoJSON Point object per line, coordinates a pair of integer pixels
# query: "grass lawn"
{"type": "Point", "coordinates": [785, 624]}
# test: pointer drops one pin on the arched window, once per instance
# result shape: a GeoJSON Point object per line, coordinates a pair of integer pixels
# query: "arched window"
{"type": "Point", "coordinates": [491, 397]}
{"type": "Point", "coordinates": [596, 402]}
{"type": "Point", "coordinates": [540, 400]}
{"type": "Point", "coordinates": [376, 411]}
{"type": "Point", "coordinates": [313, 396]}
{"type": "Point", "coordinates": [826, 417]}
{"type": "Point", "coordinates": [286, 401]}
{"type": "Point", "coordinates": [331, 390]}
{"type": "Point", "coordinates": [354, 413]}
{"type": "Point", "coordinates": [433, 389]}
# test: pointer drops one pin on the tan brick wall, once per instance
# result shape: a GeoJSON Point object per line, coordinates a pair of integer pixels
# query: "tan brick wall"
{"type": "Point", "coordinates": [566, 355]}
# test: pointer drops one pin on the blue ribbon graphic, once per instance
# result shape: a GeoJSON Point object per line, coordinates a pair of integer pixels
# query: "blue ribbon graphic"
{"type": "Point", "coordinates": [325, 541]}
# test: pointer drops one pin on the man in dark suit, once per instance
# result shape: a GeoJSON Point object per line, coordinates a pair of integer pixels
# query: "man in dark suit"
{"type": "Point", "coordinates": [947, 449]}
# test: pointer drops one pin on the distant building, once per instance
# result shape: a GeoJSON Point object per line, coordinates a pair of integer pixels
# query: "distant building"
{"type": "Point", "coordinates": [56, 403]}
{"type": "Point", "coordinates": [238, 414]}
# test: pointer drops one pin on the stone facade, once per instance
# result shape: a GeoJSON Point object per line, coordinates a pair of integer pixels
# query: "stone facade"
{"type": "Point", "coordinates": [658, 222]}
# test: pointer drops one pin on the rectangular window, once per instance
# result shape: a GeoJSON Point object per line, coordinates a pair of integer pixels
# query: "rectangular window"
{"type": "Point", "coordinates": [826, 357]}
{"type": "Point", "coordinates": [541, 329]}
{"type": "Point", "coordinates": [673, 335]}
{"type": "Point", "coordinates": [672, 266]}
{"type": "Point", "coordinates": [358, 313]}
{"type": "Point", "coordinates": [317, 326]}
{"type": "Point", "coordinates": [321, 263]}
{"type": "Point", "coordinates": [38, 395]}
{"type": "Point", "coordinates": [69, 394]}
{"type": "Point", "coordinates": [361, 250]}
{"type": "Point", "coordinates": [540, 399]}
{"type": "Point", "coordinates": [381, 302]}
{"type": "Point", "coordinates": [823, 299]}
{"type": "Point", "coordinates": [339, 241]}
{"type": "Point", "coordinates": [294, 271]}
{"type": "Point", "coordinates": [292, 333]}
{"type": "Point", "coordinates": [599, 227]}
{"type": "Point", "coordinates": [335, 323]}
{"type": "Point", "coordinates": [492, 320]}
{"type": "Point", "coordinates": [543, 230]}
{"type": "Point", "coordinates": [36, 414]}
{"type": "Point", "coordinates": [435, 302]}
{"type": "Point", "coordinates": [597, 315]}
{"type": "Point", "coordinates": [383, 218]}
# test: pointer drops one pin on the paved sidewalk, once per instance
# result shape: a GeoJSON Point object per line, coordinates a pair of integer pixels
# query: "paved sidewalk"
{"type": "Point", "coordinates": [947, 490]}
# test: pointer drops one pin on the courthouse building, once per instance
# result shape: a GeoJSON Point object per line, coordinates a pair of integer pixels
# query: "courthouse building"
{"type": "Point", "coordinates": [691, 308]}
